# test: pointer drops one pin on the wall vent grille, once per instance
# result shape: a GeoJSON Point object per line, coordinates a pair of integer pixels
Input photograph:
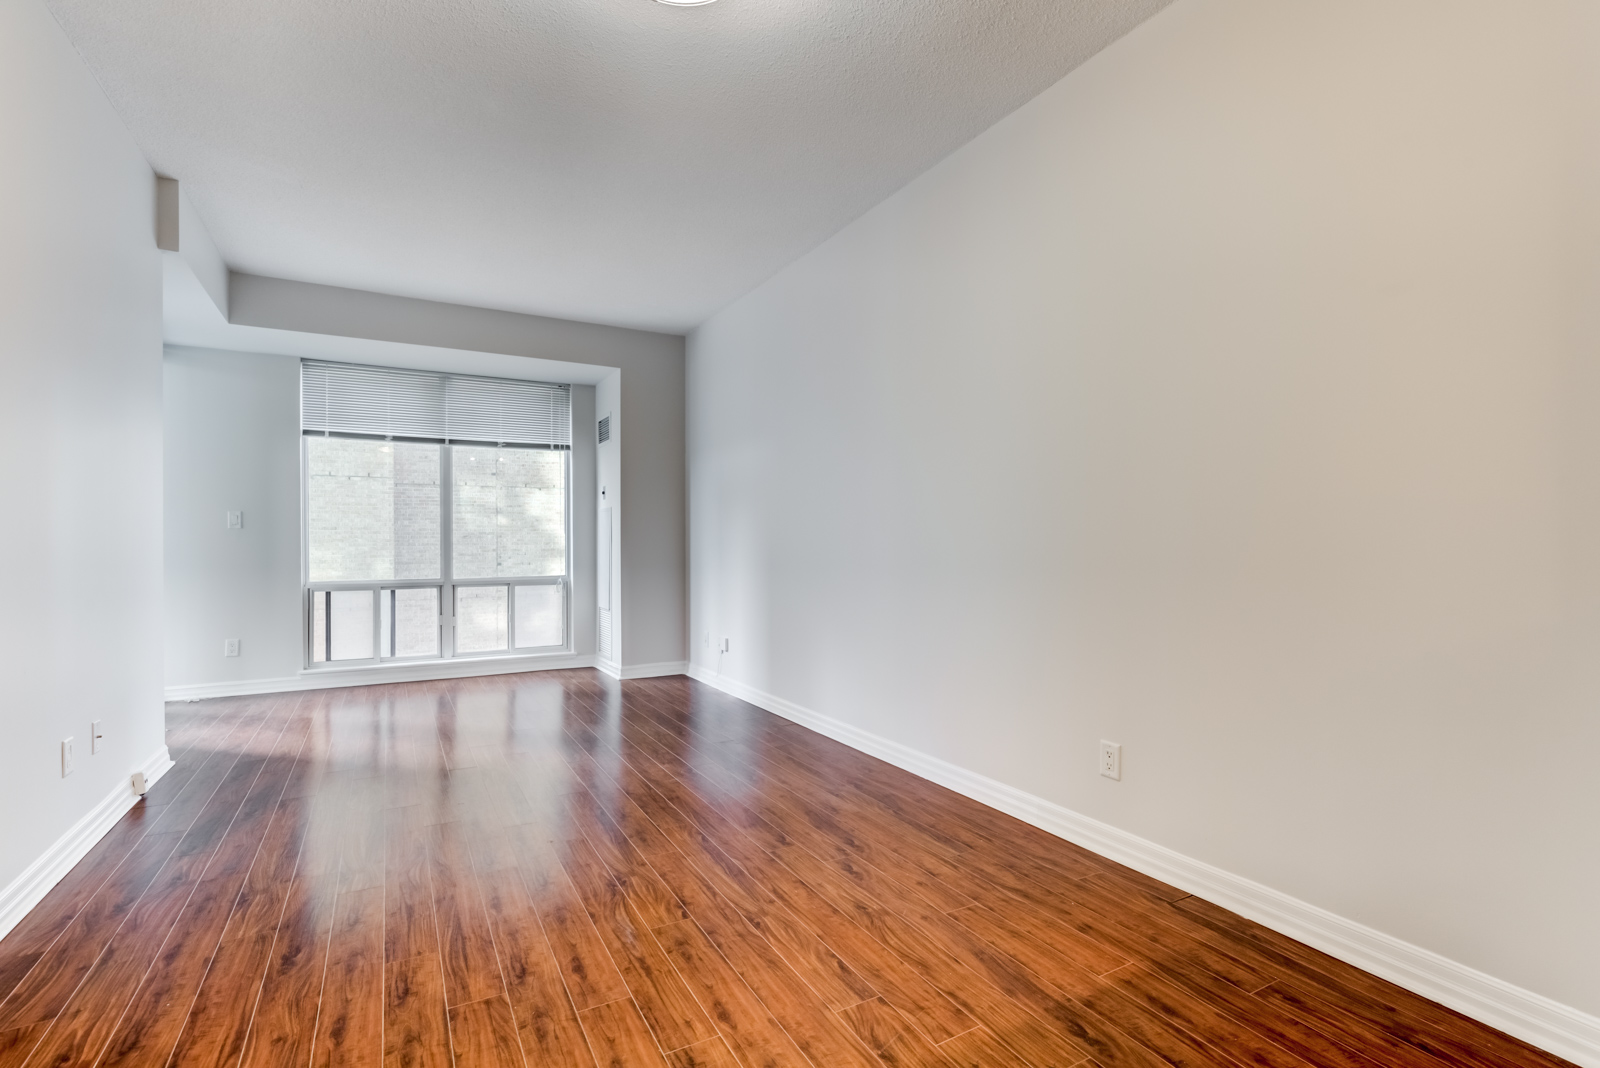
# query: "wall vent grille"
{"type": "Point", "coordinates": [605, 429]}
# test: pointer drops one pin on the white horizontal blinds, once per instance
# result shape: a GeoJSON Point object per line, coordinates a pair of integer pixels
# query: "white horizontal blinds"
{"type": "Point", "coordinates": [342, 398]}
{"type": "Point", "coordinates": [495, 409]}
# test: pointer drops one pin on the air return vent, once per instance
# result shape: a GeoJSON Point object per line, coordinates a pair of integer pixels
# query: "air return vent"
{"type": "Point", "coordinates": [605, 429]}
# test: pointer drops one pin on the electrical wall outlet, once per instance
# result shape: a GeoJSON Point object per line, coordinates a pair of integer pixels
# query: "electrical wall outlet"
{"type": "Point", "coordinates": [1110, 760]}
{"type": "Point", "coordinates": [235, 520]}
{"type": "Point", "coordinates": [97, 735]}
{"type": "Point", "coordinates": [66, 757]}
{"type": "Point", "coordinates": [230, 647]}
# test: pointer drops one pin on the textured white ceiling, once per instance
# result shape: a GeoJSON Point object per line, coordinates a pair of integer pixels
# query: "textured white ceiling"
{"type": "Point", "coordinates": [617, 161]}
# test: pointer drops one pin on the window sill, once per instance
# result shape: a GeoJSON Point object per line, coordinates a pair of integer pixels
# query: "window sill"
{"type": "Point", "coordinates": [453, 668]}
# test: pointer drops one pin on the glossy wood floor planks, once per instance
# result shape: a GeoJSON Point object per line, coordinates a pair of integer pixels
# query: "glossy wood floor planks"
{"type": "Point", "coordinates": [556, 870]}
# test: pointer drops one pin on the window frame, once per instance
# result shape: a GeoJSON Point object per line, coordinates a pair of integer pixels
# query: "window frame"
{"type": "Point", "coordinates": [446, 583]}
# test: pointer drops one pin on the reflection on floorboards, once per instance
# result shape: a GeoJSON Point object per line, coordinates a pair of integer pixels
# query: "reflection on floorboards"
{"type": "Point", "coordinates": [556, 869]}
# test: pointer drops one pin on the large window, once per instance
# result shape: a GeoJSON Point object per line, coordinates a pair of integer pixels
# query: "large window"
{"type": "Point", "coordinates": [436, 510]}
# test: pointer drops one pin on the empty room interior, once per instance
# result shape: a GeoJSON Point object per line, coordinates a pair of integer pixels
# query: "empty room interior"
{"type": "Point", "coordinates": [800, 533]}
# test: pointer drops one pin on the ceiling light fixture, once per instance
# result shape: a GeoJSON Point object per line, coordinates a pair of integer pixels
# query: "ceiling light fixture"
{"type": "Point", "coordinates": [686, 3]}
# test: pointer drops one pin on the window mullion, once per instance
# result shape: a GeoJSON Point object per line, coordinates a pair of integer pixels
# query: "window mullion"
{"type": "Point", "coordinates": [447, 591]}
{"type": "Point", "coordinates": [377, 625]}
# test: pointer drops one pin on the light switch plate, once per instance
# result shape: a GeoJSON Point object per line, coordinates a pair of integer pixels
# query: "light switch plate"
{"type": "Point", "coordinates": [235, 520]}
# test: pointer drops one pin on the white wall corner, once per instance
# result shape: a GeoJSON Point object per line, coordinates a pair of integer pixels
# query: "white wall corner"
{"type": "Point", "coordinates": [167, 214]}
{"type": "Point", "coordinates": [181, 232]}
{"type": "Point", "coordinates": [608, 667]}
{"type": "Point", "coordinates": [37, 880]}
{"type": "Point", "coordinates": [159, 763]}
{"type": "Point", "coordinates": [1546, 1023]}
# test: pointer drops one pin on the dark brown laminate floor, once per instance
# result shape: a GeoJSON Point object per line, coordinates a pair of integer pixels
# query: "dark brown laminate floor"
{"type": "Point", "coordinates": [554, 869]}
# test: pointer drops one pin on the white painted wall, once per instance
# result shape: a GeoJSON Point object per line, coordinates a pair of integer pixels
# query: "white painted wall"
{"type": "Point", "coordinates": [1235, 400]}
{"type": "Point", "coordinates": [584, 478]}
{"type": "Point", "coordinates": [654, 532]}
{"type": "Point", "coordinates": [233, 444]}
{"type": "Point", "coordinates": [609, 511]}
{"type": "Point", "coordinates": [80, 444]}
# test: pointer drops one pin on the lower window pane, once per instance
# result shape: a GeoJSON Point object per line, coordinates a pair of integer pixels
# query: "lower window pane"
{"type": "Point", "coordinates": [540, 615]}
{"type": "Point", "coordinates": [350, 625]}
{"type": "Point", "coordinates": [319, 626]}
{"type": "Point", "coordinates": [414, 623]}
{"type": "Point", "coordinates": [481, 619]}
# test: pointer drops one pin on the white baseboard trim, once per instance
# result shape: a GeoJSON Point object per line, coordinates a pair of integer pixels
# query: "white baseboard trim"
{"type": "Point", "coordinates": [642, 671]}
{"type": "Point", "coordinates": [655, 671]}
{"type": "Point", "coordinates": [330, 678]}
{"type": "Point", "coordinates": [29, 888]}
{"type": "Point", "coordinates": [1534, 1018]}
